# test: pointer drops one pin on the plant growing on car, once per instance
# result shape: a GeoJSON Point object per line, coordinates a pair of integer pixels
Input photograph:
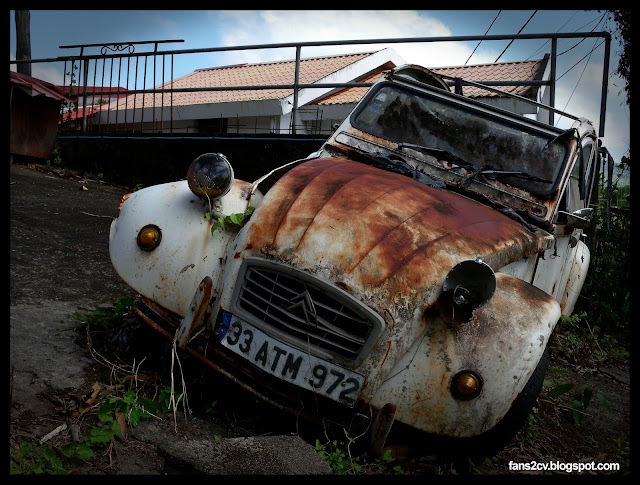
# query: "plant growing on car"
{"type": "Point", "coordinates": [222, 221]}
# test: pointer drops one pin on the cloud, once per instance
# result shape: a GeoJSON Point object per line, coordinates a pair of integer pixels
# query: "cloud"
{"type": "Point", "coordinates": [288, 26]}
{"type": "Point", "coordinates": [45, 72]}
{"type": "Point", "coordinates": [580, 96]}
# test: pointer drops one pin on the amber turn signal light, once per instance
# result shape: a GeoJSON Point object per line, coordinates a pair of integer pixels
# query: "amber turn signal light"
{"type": "Point", "coordinates": [149, 237]}
{"type": "Point", "coordinates": [466, 385]}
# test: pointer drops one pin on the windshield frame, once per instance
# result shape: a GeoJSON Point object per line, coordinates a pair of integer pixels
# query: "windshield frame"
{"type": "Point", "coordinates": [475, 108]}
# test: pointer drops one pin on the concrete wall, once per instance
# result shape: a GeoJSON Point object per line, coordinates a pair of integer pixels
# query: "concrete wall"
{"type": "Point", "coordinates": [154, 160]}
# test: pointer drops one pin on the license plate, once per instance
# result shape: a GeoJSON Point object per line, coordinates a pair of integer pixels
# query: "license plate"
{"type": "Point", "coordinates": [287, 363]}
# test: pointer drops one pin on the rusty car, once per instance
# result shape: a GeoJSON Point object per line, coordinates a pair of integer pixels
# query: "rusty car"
{"type": "Point", "coordinates": [410, 272]}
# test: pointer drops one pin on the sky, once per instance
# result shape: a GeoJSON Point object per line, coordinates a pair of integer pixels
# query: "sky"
{"type": "Point", "coordinates": [579, 69]}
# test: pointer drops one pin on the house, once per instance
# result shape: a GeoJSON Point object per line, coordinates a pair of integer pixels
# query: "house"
{"type": "Point", "coordinates": [251, 110]}
{"type": "Point", "coordinates": [79, 106]}
{"type": "Point", "coordinates": [532, 70]}
{"type": "Point", "coordinates": [34, 111]}
{"type": "Point", "coordinates": [319, 109]}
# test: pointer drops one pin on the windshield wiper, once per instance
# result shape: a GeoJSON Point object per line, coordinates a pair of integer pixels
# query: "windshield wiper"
{"type": "Point", "coordinates": [495, 174]}
{"type": "Point", "coordinates": [394, 163]}
{"type": "Point", "coordinates": [492, 174]}
{"type": "Point", "coordinates": [438, 153]}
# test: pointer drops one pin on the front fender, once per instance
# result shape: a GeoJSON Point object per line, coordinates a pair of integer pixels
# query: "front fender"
{"type": "Point", "coordinates": [502, 342]}
{"type": "Point", "coordinates": [188, 251]}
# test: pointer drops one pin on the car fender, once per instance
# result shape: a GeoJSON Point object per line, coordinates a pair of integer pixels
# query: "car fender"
{"type": "Point", "coordinates": [188, 250]}
{"type": "Point", "coordinates": [502, 343]}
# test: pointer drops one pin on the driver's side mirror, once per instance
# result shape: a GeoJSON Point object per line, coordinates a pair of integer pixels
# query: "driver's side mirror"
{"type": "Point", "coordinates": [580, 219]}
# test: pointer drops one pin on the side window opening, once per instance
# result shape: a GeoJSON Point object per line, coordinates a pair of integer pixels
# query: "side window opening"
{"type": "Point", "coordinates": [578, 191]}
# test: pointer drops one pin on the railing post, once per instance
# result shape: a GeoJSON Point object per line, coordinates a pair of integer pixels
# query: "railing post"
{"type": "Point", "coordinates": [458, 86]}
{"type": "Point", "coordinates": [552, 79]}
{"type": "Point", "coordinates": [294, 111]}
{"type": "Point", "coordinates": [85, 75]}
{"type": "Point", "coordinates": [605, 84]}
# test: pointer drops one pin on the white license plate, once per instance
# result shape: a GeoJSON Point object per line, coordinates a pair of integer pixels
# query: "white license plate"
{"type": "Point", "coordinates": [289, 364]}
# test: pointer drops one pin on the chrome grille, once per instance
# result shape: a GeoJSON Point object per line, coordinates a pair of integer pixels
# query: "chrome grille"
{"type": "Point", "coordinates": [305, 312]}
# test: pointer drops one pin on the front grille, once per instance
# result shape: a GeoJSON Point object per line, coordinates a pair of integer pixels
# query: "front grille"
{"type": "Point", "coordinates": [305, 312]}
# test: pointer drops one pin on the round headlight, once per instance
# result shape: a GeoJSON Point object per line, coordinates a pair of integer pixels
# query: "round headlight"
{"type": "Point", "coordinates": [466, 385]}
{"type": "Point", "coordinates": [149, 237]}
{"type": "Point", "coordinates": [210, 175]}
{"type": "Point", "coordinates": [469, 283]}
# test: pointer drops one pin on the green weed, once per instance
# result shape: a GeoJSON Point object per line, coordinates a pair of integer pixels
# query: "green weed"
{"type": "Point", "coordinates": [342, 462]}
{"type": "Point", "coordinates": [223, 221]}
{"type": "Point", "coordinates": [102, 317]}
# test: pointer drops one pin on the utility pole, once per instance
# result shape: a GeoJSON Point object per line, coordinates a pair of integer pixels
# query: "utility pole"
{"type": "Point", "coordinates": [23, 41]}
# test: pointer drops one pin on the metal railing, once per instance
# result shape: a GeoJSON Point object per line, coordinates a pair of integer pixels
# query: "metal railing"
{"type": "Point", "coordinates": [86, 81]}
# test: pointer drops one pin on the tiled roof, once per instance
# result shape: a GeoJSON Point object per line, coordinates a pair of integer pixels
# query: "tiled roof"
{"type": "Point", "coordinates": [314, 69]}
{"type": "Point", "coordinates": [503, 71]}
{"type": "Point", "coordinates": [36, 87]}
{"type": "Point", "coordinates": [78, 91]}
{"type": "Point", "coordinates": [350, 95]}
{"type": "Point", "coordinates": [267, 73]}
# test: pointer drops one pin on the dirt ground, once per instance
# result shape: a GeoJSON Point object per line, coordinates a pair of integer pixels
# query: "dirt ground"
{"type": "Point", "coordinates": [59, 264]}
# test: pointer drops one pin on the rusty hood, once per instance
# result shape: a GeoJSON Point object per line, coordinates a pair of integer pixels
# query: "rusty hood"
{"type": "Point", "coordinates": [385, 238]}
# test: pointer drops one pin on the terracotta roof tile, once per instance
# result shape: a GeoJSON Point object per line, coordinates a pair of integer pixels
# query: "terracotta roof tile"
{"type": "Point", "coordinates": [314, 69]}
{"type": "Point", "coordinates": [504, 71]}
{"type": "Point", "coordinates": [350, 95]}
{"type": "Point", "coordinates": [278, 72]}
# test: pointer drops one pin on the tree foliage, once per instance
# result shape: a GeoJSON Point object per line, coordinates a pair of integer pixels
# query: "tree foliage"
{"type": "Point", "coordinates": [622, 33]}
{"type": "Point", "coordinates": [606, 296]}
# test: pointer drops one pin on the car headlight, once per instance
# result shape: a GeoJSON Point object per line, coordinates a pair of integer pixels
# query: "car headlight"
{"type": "Point", "coordinates": [210, 176]}
{"type": "Point", "coordinates": [469, 284]}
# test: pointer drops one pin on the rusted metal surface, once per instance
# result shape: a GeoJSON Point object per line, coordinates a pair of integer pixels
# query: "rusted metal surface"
{"type": "Point", "coordinates": [196, 314]}
{"type": "Point", "coordinates": [391, 241]}
{"type": "Point", "coordinates": [380, 428]}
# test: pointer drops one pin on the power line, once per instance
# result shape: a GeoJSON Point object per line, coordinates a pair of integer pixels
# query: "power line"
{"type": "Point", "coordinates": [474, 50]}
{"type": "Point", "coordinates": [525, 24]}
{"type": "Point", "coordinates": [579, 78]}
{"type": "Point", "coordinates": [548, 40]}
{"type": "Point", "coordinates": [584, 38]}
{"type": "Point", "coordinates": [587, 54]}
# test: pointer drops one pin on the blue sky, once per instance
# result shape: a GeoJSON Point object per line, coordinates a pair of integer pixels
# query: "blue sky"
{"type": "Point", "coordinates": [202, 29]}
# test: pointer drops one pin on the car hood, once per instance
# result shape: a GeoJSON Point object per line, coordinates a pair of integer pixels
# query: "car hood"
{"type": "Point", "coordinates": [385, 238]}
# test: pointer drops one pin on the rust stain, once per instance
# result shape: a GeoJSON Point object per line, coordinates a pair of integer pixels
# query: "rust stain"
{"type": "Point", "coordinates": [370, 224]}
{"type": "Point", "coordinates": [122, 201]}
{"type": "Point", "coordinates": [387, 353]}
{"type": "Point", "coordinates": [187, 267]}
{"type": "Point", "coordinates": [344, 286]}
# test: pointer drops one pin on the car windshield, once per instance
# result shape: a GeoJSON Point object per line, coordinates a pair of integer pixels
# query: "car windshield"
{"type": "Point", "coordinates": [463, 132]}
